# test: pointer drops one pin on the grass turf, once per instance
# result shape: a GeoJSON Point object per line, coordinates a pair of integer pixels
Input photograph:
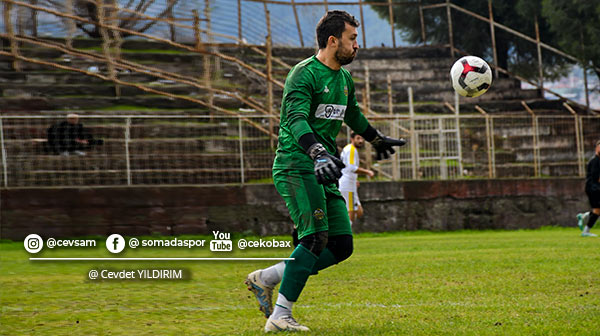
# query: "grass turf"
{"type": "Point", "coordinates": [540, 282]}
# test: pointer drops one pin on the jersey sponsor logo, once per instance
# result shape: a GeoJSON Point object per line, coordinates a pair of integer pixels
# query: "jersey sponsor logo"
{"type": "Point", "coordinates": [319, 214]}
{"type": "Point", "coordinates": [330, 111]}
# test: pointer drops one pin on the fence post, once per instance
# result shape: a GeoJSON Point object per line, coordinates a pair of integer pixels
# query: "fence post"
{"type": "Point", "coordinates": [493, 34]}
{"type": "Point", "coordinates": [585, 85]}
{"type": "Point", "coordinates": [584, 66]}
{"type": "Point", "coordinates": [539, 56]}
{"type": "Point", "coordinates": [106, 40]}
{"type": "Point", "coordinates": [582, 145]}
{"type": "Point", "coordinates": [297, 23]}
{"type": "Point", "coordinates": [367, 88]}
{"type": "Point", "coordinates": [70, 23]}
{"type": "Point", "coordinates": [535, 131]}
{"type": "Point", "coordinates": [197, 37]}
{"type": "Point", "coordinates": [488, 141]}
{"type": "Point", "coordinates": [34, 21]}
{"type": "Point", "coordinates": [14, 47]}
{"type": "Point", "coordinates": [172, 19]}
{"type": "Point", "coordinates": [394, 123]}
{"type": "Point", "coordinates": [127, 139]}
{"type": "Point", "coordinates": [368, 147]}
{"type": "Point", "coordinates": [362, 24]}
{"type": "Point", "coordinates": [493, 148]}
{"type": "Point", "coordinates": [458, 137]}
{"type": "Point", "coordinates": [211, 40]}
{"type": "Point", "coordinates": [578, 140]}
{"type": "Point", "coordinates": [4, 166]}
{"type": "Point", "coordinates": [241, 137]}
{"type": "Point", "coordinates": [442, 150]}
{"type": "Point", "coordinates": [239, 13]}
{"type": "Point", "coordinates": [269, 76]}
{"type": "Point", "coordinates": [116, 39]}
{"type": "Point", "coordinates": [414, 146]}
{"type": "Point", "coordinates": [20, 20]}
{"type": "Point", "coordinates": [450, 34]}
{"type": "Point", "coordinates": [391, 9]}
{"type": "Point", "coordinates": [422, 19]}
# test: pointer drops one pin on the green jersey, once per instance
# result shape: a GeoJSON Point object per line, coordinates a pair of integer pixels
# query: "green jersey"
{"type": "Point", "coordinates": [316, 99]}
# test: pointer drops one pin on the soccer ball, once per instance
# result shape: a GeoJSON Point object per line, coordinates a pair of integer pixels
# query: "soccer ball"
{"type": "Point", "coordinates": [471, 76]}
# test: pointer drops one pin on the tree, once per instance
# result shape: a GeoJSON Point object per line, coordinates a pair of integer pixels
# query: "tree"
{"type": "Point", "coordinates": [575, 24]}
{"type": "Point", "coordinates": [473, 36]}
{"type": "Point", "coordinates": [131, 19]}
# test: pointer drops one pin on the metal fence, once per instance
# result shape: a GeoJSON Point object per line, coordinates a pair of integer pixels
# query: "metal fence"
{"type": "Point", "coordinates": [200, 150]}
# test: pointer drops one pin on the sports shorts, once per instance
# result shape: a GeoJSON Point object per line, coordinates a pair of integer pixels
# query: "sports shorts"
{"type": "Point", "coordinates": [313, 207]}
{"type": "Point", "coordinates": [593, 197]}
{"type": "Point", "coordinates": [351, 198]}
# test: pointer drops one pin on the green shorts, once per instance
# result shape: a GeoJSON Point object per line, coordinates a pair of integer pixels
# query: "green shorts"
{"type": "Point", "coordinates": [312, 206]}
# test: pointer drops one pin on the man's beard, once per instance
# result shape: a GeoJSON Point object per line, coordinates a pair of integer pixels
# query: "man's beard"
{"type": "Point", "coordinates": [343, 59]}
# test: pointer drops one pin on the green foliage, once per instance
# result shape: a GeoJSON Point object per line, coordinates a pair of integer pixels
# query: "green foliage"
{"type": "Point", "coordinates": [540, 282]}
{"type": "Point", "coordinates": [473, 36]}
{"type": "Point", "coordinates": [576, 26]}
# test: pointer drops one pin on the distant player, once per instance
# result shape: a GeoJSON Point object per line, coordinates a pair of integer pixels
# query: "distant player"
{"type": "Point", "coordinates": [318, 95]}
{"type": "Point", "coordinates": [349, 181]}
{"type": "Point", "coordinates": [587, 220]}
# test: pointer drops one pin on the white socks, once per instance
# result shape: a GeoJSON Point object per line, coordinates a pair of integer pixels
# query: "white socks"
{"type": "Point", "coordinates": [283, 307]}
{"type": "Point", "coordinates": [586, 218]}
{"type": "Point", "coordinates": [271, 276]}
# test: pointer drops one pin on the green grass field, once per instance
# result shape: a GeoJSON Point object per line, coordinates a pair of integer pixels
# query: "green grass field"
{"type": "Point", "coordinates": [541, 282]}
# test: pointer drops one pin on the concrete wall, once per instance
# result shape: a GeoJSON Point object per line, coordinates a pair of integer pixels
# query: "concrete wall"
{"type": "Point", "coordinates": [258, 209]}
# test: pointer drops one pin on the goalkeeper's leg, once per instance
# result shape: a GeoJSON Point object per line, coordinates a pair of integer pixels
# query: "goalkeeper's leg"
{"type": "Point", "coordinates": [295, 275]}
{"type": "Point", "coordinates": [339, 245]}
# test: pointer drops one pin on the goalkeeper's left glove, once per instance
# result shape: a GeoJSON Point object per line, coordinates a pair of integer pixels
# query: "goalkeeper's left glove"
{"type": "Point", "coordinates": [383, 145]}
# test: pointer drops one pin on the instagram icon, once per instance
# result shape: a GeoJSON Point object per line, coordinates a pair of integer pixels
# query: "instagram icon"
{"type": "Point", "coordinates": [33, 243]}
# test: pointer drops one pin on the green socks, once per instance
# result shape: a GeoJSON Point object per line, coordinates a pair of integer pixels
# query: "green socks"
{"type": "Point", "coordinates": [297, 272]}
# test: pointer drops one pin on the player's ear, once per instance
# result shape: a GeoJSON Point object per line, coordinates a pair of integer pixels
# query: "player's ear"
{"type": "Point", "coordinates": [332, 40]}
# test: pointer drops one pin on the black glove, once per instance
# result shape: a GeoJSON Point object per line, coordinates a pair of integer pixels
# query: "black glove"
{"type": "Point", "coordinates": [384, 145]}
{"type": "Point", "coordinates": [328, 168]}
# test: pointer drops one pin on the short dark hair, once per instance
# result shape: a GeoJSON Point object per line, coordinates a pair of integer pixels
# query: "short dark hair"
{"type": "Point", "coordinates": [352, 134]}
{"type": "Point", "coordinates": [333, 24]}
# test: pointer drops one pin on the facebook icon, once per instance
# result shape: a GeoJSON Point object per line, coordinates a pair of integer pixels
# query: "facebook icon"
{"type": "Point", "coordinates": [115, 243]}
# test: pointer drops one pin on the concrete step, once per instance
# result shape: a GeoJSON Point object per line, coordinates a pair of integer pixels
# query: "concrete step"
{"type": "Point", "coordinates": [99, 102]}
{"type": "Point", "coordinates": [150, 161]}
{"type": "Point", "coordinates": [155, 146]}
{"type": "Point", "coordinates": [446, 94]}
{"type": "Point", "coordinates": [138, 177]}
{"type": "Point", "coordinates": [139, 129]}
{"type": "Point", "coordinates": [547, 155]}
{"type": "Point", "coordinates": [106, 89]}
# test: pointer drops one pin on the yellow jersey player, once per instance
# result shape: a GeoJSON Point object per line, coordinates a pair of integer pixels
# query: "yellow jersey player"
{"type": "Point", "coordinates": [349, 180]}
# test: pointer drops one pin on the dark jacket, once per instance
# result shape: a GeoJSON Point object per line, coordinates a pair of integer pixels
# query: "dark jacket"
{"type": "Point", "coordinates": [593, 175]}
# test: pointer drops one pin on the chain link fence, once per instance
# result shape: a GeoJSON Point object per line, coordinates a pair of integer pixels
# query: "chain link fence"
{"type": "Point", "coordinates": [202, 150]}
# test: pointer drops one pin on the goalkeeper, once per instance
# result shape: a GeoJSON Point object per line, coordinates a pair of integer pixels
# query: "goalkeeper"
{"type": "Point", "coordinates": [318, 95]}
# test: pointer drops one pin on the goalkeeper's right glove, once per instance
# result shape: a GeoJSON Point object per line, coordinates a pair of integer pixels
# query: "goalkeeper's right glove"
{"type": "Point", "coordinates": [328, 168]}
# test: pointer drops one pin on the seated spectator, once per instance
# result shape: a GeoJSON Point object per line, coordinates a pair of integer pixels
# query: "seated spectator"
{"type": "Point", "coordinates": [70, 138]}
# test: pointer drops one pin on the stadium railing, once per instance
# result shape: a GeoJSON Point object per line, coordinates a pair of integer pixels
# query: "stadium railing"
{"type": "Point", "coordinates": [205, 150]}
